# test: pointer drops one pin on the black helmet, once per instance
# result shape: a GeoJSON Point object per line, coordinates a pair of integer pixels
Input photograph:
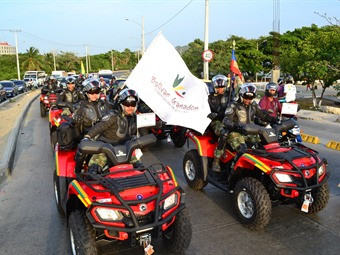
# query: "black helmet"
{"type": "Point", "coordinates": [290, 79]}
{"type": "Point", "coordinates": [248, 91]}
{"type": "Point", "coordinates": [128, 97]}
{"type": "Point", "coordinates": [219, 81]}
{"type": "Point", "coordinates": [269, 86]}
{"type": "Point", "coordinates": [280, 81]}
{"type": "Point", "coordinates": [70, 80]}
{"type": "Point", "coordinates": [91, 86]}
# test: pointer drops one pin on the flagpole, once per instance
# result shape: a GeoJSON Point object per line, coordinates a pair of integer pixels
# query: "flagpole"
{"type": "Point", "coordinates": [232, 82]}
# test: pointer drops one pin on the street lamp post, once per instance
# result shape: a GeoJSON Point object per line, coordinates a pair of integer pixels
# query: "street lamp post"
{"type": "Point", "coordinates": [206, 40]}
{"type": "Point", "coordinates": [142, 35]}
{"type": "Point", "coordinates": [257, 48]}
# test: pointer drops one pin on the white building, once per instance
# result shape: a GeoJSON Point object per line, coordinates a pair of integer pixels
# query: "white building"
{"type": "Point", "coordinates": [6, 49]}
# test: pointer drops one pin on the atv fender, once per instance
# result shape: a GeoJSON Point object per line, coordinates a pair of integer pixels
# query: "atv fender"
{"type": "Point", "coordinates": [65, 163]}
{"type": "Point", "coordinates": [248, 161]}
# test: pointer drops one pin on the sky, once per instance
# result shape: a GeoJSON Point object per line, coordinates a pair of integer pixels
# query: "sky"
{"type": "Point", "coordinates": [69, 25]}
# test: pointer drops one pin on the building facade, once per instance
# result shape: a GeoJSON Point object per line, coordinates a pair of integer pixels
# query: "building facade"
{"type": "Point", "coordinates": [6, 49]}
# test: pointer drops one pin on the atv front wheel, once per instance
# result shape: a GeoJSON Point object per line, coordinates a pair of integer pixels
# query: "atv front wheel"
{"type": "Point", "coordinates": [178, 236]}
{"type": "Point", "coordinates": [321, 197]}
{"type": "Point", "coordinates": [252, 203]}
{"type": "Point", "coordinates": [42, 110]}
{"type": "Point", "coordinates": [57, 193]}
{"type": "Point", "coordinates": [82, 234]}
{"type": "Point", "coordinates": [179, 137]}
{"type": "Point", "coordinates": [193, 170]}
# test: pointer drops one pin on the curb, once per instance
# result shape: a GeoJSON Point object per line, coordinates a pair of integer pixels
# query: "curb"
{"type": "Point", "coordinates": [310, 138]}
{"type": "Point", "coordinates": [333, 145]}
{"type": "Point", "coordinates": [6, 163]}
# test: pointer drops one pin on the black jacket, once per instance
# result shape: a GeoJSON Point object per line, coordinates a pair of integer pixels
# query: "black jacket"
{"type": "Point", "coordinates": [73, 96]}
{"type": "Point", "coordinates": [240, 114]}
{"type": "Point", "coordinates": [115, 128]}
{"type": "Point", "coordinates": [90, 113]}
{"type": "Point", "coordinates": [218, 104]}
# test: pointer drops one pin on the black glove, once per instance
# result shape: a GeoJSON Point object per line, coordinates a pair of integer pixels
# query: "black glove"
{"type": "Point", "coordinates": [212, 115]}
{"type": "Point", "coordinates": [79, 119]}
{"type": "Point", "coordinates": [239, 127]}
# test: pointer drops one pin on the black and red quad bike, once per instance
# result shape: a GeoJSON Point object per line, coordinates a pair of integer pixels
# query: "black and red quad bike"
{"type": "Point", "coordinates": [47, 98]}
{"type": "Point", "coordinates": [270, 173]}
{"type": "Point", "coordinates": [55, 118]}
{"type": "Point", "coordinates": [122, 203]}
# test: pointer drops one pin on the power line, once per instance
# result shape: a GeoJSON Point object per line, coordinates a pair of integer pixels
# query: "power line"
{"type": "Point", "coordinates": [170, 18]}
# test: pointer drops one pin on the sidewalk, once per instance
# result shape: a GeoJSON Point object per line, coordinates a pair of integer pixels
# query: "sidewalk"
{"type": "Point", "coordinates": [12, 115]}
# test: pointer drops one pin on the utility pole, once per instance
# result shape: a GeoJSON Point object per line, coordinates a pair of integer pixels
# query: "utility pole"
{"type": "Point", "coordinates": [55, 66]}
{"type": "Point", "coordinates": [87, 63]}
{"type": "Point", "coordinates": [206, 40]}
{"type": "Point", "coordinates": [16, 47]}
{"type": "Point", "coordinates": [112, 61]}
{"type": "Point", "coordinates": [89, 56]}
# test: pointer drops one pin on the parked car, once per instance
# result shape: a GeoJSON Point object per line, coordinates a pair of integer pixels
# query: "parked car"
{"type": "Point", "coordinates": [3, 96]}
{"type": "Point", "coordinates": [21, 85]}
{"type": "Point", "coordinates": [10, 87]}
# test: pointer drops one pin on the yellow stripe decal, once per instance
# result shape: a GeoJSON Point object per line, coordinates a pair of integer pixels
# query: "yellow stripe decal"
{"type": "Point", "coordinates": [173, 176]}
{"type": "Point", "coordinates": [81, 193]}
{"type": "Point", "coordinates": [57, 162]}
{"type": "Point", "coordinates": [198, 144]}
{"type": "Point", "coordinates": [258, 163]}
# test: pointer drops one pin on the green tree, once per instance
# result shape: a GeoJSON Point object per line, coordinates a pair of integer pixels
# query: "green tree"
{"type": "Point", "coordinates": [32, 61]}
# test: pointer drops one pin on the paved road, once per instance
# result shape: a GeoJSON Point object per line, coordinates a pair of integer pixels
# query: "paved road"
{"type": "Point", "coordinates": [30, 224]}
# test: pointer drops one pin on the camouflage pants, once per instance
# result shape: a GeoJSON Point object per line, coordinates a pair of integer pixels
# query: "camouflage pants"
{"type": "Point", "coordinates": [217, 126]}
{"type": "Point", "coordinates": [66, 111]}
{"type": "Point", "coordinates": [101, 160]}
{"type": "Point", "coordinates": [235, 140]}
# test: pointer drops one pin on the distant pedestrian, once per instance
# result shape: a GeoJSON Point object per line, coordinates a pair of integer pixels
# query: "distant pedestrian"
{"type": "Point", "coordinates": [308, 87]}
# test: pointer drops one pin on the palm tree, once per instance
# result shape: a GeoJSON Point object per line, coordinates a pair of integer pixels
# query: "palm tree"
{"type": "Point", "coordinates": [32, 62]}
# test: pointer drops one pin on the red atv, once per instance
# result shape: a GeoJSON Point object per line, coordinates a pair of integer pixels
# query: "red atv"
{"type": "Point", "coordinates": [55, 118]}
{"type": "Point", "coordinates": [270, 173]}
{"type": "Point", "coordinates": [47, 98]}
{"type": "Point", "coordinates": [123, 203]}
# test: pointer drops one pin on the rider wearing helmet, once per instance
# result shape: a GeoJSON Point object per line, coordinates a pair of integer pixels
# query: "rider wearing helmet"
{"type": "Point", "coordinates": [269, 102]}
{"type": "Point", "coordinates": [70, 95]}
{"type": "Point", "coordinates": [117, 127]}
{"type": "Point", "coordinates": [236, 116]}
{"type": "Point", "coordinates": [51, 84]}
{"type": "Point", "coordinates": [91, 110]}
{"type": "Point", "coordinates": [218, 102]}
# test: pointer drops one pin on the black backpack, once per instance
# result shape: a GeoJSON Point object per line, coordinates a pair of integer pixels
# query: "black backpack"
{"type": "Point", "coordinates": [68, 136]}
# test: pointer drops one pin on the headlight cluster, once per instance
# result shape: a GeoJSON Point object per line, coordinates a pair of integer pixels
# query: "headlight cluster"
{"type": "Point", "coordinates": [170, 201]}
{"type": "Point", "coordinates": [283, 177]}
{"type": "Point", "coordinates": [107, 214]}
{"type": "Point", "coordinates": [322, 169]}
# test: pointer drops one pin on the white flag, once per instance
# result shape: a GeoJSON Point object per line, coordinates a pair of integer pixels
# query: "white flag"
{"type": "Point", "coordinates": [165, 84]}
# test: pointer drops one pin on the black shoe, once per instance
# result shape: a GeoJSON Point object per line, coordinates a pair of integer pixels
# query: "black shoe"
{"type": "Point", "coordinates": [216, 165]}
{"type": "Point", "coordinates": [95, 169]}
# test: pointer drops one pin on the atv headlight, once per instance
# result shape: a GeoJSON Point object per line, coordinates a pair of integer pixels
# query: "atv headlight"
{"type": "Point", "coordinates": [170, 201]}
{"type": "Point", "coordinates": [107, 214]}
{"type": "Point", "coordinates": [321, 169]}
{"type": "Point", "coordinates": [283, 177]}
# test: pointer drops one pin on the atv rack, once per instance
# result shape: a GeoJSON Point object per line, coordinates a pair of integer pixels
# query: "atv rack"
{"type": "Point", "coordinates": [148, 177]}
{"type": "Point", "coordinates": [297, 151]}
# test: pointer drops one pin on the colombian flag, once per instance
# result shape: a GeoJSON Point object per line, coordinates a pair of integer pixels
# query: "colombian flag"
{"type": "Point", "coordinates": [234, 66]}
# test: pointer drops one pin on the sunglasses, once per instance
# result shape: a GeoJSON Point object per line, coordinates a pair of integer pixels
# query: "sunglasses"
{"type": "Point", "coordinates": [92, 92]}
{"type": "Point", "coordinates": [248, 97]}
{"type": "Point", "coordinates": [132, 103]}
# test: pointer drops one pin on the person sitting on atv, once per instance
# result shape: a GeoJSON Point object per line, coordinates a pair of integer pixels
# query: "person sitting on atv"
{"type": "Point", "coordinates": [269, 102]}
{"type": "Point", "coordinates": [117, 127]}
{"type": "Point", "coordinates": [70, 95]}
{"type": "Point", "coordinates": [237, 115]}
{"type": "Point", "coordinates": [218, 102]}
{"type": "Point", "coordinates": [51, 84]}
{"type": "Point", "coordinates": [91, 110]}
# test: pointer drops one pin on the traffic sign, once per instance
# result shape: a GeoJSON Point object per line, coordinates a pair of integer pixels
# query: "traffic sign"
{"type": "Point", "coordinates": [207, 55]}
